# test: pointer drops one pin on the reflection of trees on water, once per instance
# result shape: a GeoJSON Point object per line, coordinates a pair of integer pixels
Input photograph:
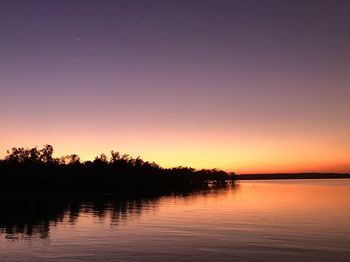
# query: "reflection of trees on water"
{"type": "Point", "coordinates": [33, 217]}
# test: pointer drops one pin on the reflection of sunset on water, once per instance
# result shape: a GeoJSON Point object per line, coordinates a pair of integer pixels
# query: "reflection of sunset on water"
{"type": "Point", "coordinates": [307, 217]}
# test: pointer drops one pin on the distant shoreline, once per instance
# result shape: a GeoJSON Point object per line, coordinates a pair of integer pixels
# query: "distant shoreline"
{"type": "Point", "coordinates": [279, 176]}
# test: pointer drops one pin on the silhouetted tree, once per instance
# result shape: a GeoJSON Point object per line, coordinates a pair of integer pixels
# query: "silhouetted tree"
{"type": "Point", "coordinates": [101, 160]}
{"type": "Point", "coordinates": [34, 155]}
{"type": "Point", "coordinates": [46, 154]}
{"type": "Point", "coordinates": [115, 156]}
{"type": "Point", "coordinates": [73, 159]}
{"type": "Point", "coordinates": [33, 169]}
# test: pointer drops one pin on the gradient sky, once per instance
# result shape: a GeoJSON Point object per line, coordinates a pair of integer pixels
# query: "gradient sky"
{"type": "Point", "coordinates": [246, 86]}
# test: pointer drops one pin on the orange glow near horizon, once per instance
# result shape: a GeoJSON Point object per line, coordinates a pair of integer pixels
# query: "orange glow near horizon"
{"type": "Point", "coordinates": [230, 151]}
{"type": "Point", "coordinates": [223, 84]}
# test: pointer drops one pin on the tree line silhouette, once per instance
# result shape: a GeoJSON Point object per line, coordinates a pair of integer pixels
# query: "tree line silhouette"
{"type": "Point", "coordinates": [36, 170]}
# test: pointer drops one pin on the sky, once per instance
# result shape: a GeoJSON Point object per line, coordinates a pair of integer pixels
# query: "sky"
{"type": "Point", "coordinates": [245, 86]}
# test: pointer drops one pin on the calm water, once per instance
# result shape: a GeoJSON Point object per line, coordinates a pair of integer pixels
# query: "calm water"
{"type": "Point", "coordinates": [305, 220]}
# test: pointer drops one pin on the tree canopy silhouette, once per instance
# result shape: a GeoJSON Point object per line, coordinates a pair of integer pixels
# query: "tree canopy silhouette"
{"type": "Point", "coordinates": [33, 169]}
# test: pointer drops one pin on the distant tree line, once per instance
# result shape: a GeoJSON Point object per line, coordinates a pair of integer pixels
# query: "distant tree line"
{"type": "Point", "coordinates": [33, 169]}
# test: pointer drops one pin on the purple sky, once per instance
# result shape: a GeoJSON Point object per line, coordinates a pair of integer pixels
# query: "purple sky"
{"type": "Point", "coordinates": [238, 85]}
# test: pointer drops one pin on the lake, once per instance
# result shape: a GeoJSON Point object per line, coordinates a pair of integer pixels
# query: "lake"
{"type": "Point", "coordinates": [289, 220]}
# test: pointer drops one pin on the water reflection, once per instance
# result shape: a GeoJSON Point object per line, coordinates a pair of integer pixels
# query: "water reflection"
{"type": "Point", "coordinates": [26, 217]}
{"type": "Point", "coordinates": [262, 221]}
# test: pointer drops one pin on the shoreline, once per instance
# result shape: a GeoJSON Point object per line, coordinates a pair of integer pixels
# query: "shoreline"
{"type": "Point", "coordinates": [281, 176]}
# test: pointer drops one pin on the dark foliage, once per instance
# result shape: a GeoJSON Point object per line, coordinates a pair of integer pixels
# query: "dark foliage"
{"type": "Point", "coordinates": [36, 170]}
